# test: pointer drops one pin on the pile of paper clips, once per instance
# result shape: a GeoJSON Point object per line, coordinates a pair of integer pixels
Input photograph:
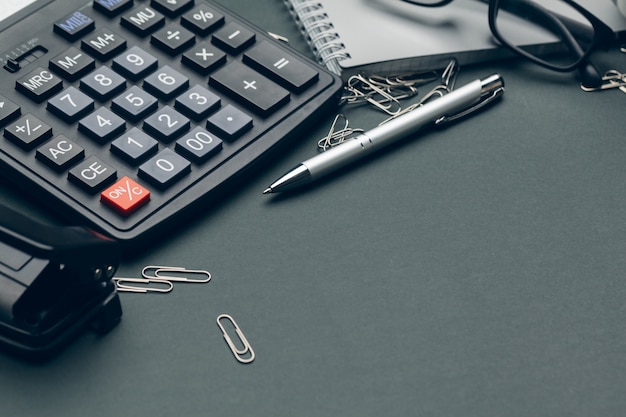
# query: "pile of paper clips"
{"type": "Point", "coordinates": [612, 79]}
{"type": "Point", "coordinates": [385, 93]}
{"type": "Point", "coordinates": [161, 279]}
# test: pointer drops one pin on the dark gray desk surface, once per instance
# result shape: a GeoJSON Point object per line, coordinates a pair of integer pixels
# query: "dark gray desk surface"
{"type": "Point", "coordinates": [477, 271]}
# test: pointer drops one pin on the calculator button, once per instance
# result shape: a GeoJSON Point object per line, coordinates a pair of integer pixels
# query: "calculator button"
{"type": "Point", "coordinates": [92, 174]}
{"type": "Point", "coordinates": [60, 153]}
{"type": "Point", "coordinates": [172, 8]}
{"type": "Point", "coordinates": [103, 83]}
{"type": "Point", "coordinates": [125, 196]}
{"type": "Point", "coordinates": [39, 84]}
{"type": "Point", "coordinates": [262, 94]}
{"type": "Point", "coordinates": [230, 122]}
{"type": "Point", "coordinates": [198, 145]}
{"type": "Point", "coordinates": [173, 39]}
{"type": "Point", "coordinates": [112, 8]}
{"type": "Point", "coordinates": [166, 124]}
{"type": "Point", "coordinates": [165, 168]}
{"type": "Point", "coordinates": [166, 83]}
{"type": "Point", "coordinates": [281, 66]}
{"type": "Point", "coordinates": [134, 104]}
{"type": "Point", "coordinates": [197, 102]}
{"type": "Point", "coordinates": [233, 38]}
{"type": "Point", "coordinates": [143, 20]}
{"type": "Point", "coordinates": [134, 146]}
{"type": "Point", "coordinates": [8, 110]}
{"type": "Point", "coordinates": [134, 63]}
{"type": "Point", "coordinates": [28, 131]}
{"type": "Point", "coordinates": [70, 105]}
{"type": "Point", "coordinates": [202, 20]}
{"type": "Point", "coordinates": [103, 44]}
{"type": "Point", "coordinates": [102, 125]}
{"type": "Point", "coordinates": [204, 58]}
{"type": "Point", "coordinates": [74, 26]}
{"type": "Point", "coordinates": [72, 64]}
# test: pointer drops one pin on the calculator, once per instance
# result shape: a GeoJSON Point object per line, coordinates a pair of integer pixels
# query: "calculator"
{"type": "Point", "coordinates": [128, 116]}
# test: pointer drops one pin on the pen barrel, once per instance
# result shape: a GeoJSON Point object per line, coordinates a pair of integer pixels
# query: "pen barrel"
{"type": "Point", "coordinates": [398, 128]}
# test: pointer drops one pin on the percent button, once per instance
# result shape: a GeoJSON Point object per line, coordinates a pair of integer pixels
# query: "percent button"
{"type": "Point", "coordinates": [202, 20]}
{"type": "Point", "coordinates": [125, 196]}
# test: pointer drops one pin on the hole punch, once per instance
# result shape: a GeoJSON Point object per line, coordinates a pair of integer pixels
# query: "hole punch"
{"type": "Point", "coordinates": [243, 355]}
{"type": "Point", "coordinates": [156, 272]}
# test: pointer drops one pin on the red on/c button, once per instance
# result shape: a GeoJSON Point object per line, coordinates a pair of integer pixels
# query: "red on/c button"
{"type": "Point", "coordinates": [125, 196]}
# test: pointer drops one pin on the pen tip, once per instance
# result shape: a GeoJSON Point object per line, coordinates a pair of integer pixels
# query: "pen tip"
{"type": "Point", "coordinates": [267, 190]}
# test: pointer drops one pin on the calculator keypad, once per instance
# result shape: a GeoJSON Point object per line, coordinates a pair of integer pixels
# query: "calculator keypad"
{"type": "Point", "coordinates": [141, 104]}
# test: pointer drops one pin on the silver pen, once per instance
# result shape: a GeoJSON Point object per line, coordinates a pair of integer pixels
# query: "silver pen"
{"type": "Point", "coordinates": [456, 104]}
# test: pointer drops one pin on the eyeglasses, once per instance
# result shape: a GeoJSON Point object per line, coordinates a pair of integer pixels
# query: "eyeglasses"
{"type": "Point", "coordinates": [560, 38]}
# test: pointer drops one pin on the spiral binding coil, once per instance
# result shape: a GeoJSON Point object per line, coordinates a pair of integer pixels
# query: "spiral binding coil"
{"type": "Point", "coordinates": [319, 32]}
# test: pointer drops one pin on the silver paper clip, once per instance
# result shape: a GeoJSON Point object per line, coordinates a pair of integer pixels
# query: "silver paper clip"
{"type": "Point", "coordinates": [611, 79]}
{"type": "Point", "coordinates": [182, 274]}
{"type": "Point", "coordinates": [246, 353]}
{"type": "Point", "coordinates": [129, 285]}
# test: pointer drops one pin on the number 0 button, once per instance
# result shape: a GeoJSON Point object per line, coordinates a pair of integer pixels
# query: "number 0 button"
{"type": "Point", "coordinates": [164, 169]}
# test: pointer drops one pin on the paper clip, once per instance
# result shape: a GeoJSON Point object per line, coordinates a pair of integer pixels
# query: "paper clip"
{"type": "Point", "coordinates": [243, 355]}
{"type": "Point", "coordinates": [183, 274]}
{"type": "Point", "coordinates": [161, 286]}
{"type": "Point", "coordinates": [612, 79]}
{"type": "Point", "coordinates": [334, 136]}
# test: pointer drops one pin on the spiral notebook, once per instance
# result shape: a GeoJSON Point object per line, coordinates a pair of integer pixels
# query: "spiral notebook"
{"type": "Point", "coordinates": [391, 36]}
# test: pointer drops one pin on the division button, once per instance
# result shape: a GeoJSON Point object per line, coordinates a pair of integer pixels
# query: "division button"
{"type": "Point", "coordinates": [173, 39]}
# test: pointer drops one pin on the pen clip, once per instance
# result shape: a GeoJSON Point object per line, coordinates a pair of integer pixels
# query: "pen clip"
{"type": "Point", "coordinates": [484, 101]}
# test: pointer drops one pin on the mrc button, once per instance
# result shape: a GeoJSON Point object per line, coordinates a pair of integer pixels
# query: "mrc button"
{"type": "Point", "coordinates": [74, 26]}
{"type": "Point", "coordinates": [39, 85]}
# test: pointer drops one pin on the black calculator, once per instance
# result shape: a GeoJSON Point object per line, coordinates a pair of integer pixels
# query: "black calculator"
{"type": "Point", "coordinates": [124, 115]}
